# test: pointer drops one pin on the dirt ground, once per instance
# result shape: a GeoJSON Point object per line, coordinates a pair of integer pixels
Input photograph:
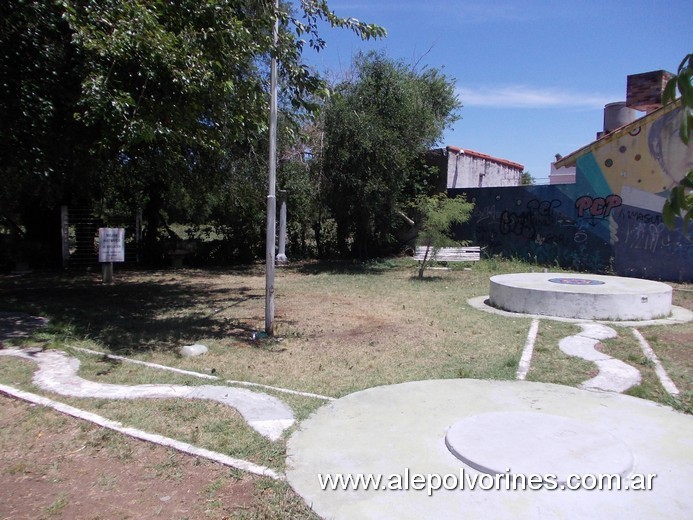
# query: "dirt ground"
{"type": "Point", "coordinates": [72, 469]}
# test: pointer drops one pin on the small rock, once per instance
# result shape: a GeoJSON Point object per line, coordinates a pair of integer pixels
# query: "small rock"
{"type": "Point", "coordinates": [193, 350]}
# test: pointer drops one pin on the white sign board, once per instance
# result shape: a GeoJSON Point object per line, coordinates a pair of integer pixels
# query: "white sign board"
{"type": "Point", "coordinates": [111, 245]}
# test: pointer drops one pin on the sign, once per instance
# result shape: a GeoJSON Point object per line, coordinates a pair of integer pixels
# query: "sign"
{"type": "Point", "coordinates": [111, 245]}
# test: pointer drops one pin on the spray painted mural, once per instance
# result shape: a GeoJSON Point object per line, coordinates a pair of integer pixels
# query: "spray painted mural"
{"type": "Point", "coordinates": [609, 220]}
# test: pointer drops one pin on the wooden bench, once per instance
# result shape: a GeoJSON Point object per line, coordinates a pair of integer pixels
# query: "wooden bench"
{"type": "Point", "coordinates": [449, 254]}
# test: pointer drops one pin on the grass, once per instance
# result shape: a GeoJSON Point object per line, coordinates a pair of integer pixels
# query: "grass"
{"type": "Point", "coordinates": [339, 327]}
{"type": "Point", "coordinates": [627, 349]}
{"type": "Point", "coordinates": [549, 364]}
{"type": "Point", "coordinates": [56, 507]}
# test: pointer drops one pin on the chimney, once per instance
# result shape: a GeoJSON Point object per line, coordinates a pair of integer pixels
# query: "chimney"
{"type": "Point", "coordinates": [644, 91]}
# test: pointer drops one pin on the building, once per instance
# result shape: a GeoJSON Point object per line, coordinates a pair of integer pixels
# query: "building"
{"type": "Point", "coordinates": [610, 218]}
{"type": "Point", "coordinates": [469, 169]}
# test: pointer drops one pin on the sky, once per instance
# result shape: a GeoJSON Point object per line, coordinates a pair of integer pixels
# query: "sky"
{"type": "Point", "coordinates": [533, 76]}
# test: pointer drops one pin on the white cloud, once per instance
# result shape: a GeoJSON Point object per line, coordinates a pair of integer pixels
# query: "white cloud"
{"type": "Point", "coordinates": [523, 96]}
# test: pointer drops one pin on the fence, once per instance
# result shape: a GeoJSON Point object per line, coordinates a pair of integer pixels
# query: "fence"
{"type": "Point", "coordinates": [80, 233]}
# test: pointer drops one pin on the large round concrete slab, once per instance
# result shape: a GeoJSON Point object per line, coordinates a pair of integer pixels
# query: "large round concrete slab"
{"type": "Point", "coordinates": [398, 431]}
{"type": "Point", "coordinates": [589, 297]}
{"type": "Point", "coordinates": [678, 315]}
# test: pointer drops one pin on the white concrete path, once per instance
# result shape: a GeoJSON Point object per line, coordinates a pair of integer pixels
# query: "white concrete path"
{"type": "Point", "coordinates": [664, 378]}
{"type": "Point", "coordinates": [527, 351]}
{"type": "Point", "coordinates": [614, 375]}
{"type": "Point", "coordinates": [58, 373]}
{"type": "Point", "coordinates": [184, 447]}
{"type": "Point", "coordinates": [202, 376]}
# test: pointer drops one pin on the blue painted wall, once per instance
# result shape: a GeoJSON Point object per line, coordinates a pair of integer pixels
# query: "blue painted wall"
{"type": "Point", "coordinates": [605, 222]}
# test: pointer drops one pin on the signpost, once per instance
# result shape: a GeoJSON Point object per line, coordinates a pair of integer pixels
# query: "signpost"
{"type": "Point", "coordinates": [271, 234]}
{"type": "Point", "coordinates": [111, 249]}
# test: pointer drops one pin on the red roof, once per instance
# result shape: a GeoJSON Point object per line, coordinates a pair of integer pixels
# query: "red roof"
{"type": "Point", "coordinates": [480, 155]}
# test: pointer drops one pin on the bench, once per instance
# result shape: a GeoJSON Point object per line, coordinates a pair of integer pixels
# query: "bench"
{"type": "Point", "coordinates": [449, 254]}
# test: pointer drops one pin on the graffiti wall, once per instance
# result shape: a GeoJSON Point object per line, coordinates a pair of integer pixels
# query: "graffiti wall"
{"type": "Point", "coordinates": [609, 220]}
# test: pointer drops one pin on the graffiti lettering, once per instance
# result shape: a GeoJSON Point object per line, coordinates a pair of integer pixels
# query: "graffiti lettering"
{"type": "Point", "coordinates": [648, 237]}
{"type": "Point", "coordinates": [543, 208]}
{"type": "Point", "coordinates": [539, 213]}
{"type": "Point", "coordinates": [599, 207]}
{"type": "Point", "coordinates": [481, 214]}
{"type": "Point", "coordinates": [639, 216]}
{"type": "Point", "coordinates": [517, 223]}
{"type": "Point", "coordinates": [580, 237]}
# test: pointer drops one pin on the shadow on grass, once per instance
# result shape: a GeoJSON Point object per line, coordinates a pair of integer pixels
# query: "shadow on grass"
{"type": "Point", "coordinates": [425, 279]}
{"type": "Point", "coordinates": [141, 311]}
{"type": "Point", "coordinates": [376, 266]}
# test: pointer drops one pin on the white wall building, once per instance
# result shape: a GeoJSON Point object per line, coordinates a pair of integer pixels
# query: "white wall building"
{"type": "Point", "coordinates": [470, 169]}
{"type": "Point", "coordinates": [564, 175]}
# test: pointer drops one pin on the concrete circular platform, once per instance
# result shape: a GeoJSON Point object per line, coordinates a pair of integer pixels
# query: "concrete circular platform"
{"type": "Point", "coordinates": [678, 315]}
{"type": "Point", "coordinates": [399, 431]}
{"type": "Point", "coordinates": [488, 442]}
{"type": "Point", "coordinates": [578, 296]}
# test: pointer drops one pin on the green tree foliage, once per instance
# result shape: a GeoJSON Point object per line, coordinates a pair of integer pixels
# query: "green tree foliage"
{"type": "Point", "coordinates": [44, 151]}
{"type": "Point", "coordinates": [527, 179]}
{"type": "Point", "coordinates": [438, 214]}
{"type": "Point", "coordinates": [680, 199]}
{"type": "Point", "coordinates": [378, 125]}
{"type": "Point", "coordinates": [152, 103]}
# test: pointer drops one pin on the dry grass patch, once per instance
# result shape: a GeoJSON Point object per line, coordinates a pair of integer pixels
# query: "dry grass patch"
{"type": "Point", "coordinates": [53, 466]}
{"type": "Point", "coordinates": [550, 364]}
{"type": "Point", "coordinates": [674, 348]}
{"type": "Point", "coordinates": [340, 328]}
{"type": "Point", "coordinates": [201, 423]}
{"type": "Point", "coordinates": [626, 348]}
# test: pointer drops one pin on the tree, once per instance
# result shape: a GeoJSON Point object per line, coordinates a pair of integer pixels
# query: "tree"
{"type": "Point", "coordinates": [44, 151]}
{"type": "Point", "coordinates": [438, 214]}
{"type": "Point", "coordinates": [152, 103]}
{"type": "Point", "coordinates": [378, 126]}
{"type": "Point", "coordinates": [680, 200]}
{"type": "Point", "coordinates": [527, 179]}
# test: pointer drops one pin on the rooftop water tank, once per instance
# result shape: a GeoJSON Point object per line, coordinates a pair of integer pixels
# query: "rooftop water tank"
{"type": "Point", "coordinates": [618, 114]}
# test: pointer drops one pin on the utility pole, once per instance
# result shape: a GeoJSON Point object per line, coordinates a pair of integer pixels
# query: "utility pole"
{"type": "Point", "coordinates": [271, 197]}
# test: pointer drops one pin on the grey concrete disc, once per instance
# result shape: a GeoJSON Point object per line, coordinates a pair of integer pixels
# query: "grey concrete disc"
{"type": "Point", "coordinates": [536, 443]}
{"type": "Point", "coordinates": [589, 297]}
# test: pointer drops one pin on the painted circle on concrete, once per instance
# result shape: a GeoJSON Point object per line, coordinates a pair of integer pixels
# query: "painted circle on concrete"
{"type": "Point", "coordinates": [529, 443]}
{"type": "Point", "coordinates": [576, 281]}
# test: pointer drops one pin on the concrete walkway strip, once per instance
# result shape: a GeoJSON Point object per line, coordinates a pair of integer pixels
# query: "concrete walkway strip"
{"type": "Point", "coordinates": [58, 373]}
{"type": "Point", "coordinates": [526, 359]}
{"type": "Point", "coordinates": [244, 465]}
{"type": "Point", "coordinates": [664, 379]}
{"type": "Point", "coordinates": [200, 375]}
{"type": "Point", "coordinates": [614, 375]}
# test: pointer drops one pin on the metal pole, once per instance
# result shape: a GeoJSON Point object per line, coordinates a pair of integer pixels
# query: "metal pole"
{"type": "Point", "coordinates": [281, 254]}
{"type": "Point", "coordinates": [107, 272]}
{"type": "Point", "coordinates": [271, 197]}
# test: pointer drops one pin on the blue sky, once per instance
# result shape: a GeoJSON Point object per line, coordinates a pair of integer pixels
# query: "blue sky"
{"type": "Point", "coordinates": [533, 76]}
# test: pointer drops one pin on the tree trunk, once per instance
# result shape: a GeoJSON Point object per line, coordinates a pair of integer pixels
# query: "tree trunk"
{"type": "Point", "coordinates": [425, 259]}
